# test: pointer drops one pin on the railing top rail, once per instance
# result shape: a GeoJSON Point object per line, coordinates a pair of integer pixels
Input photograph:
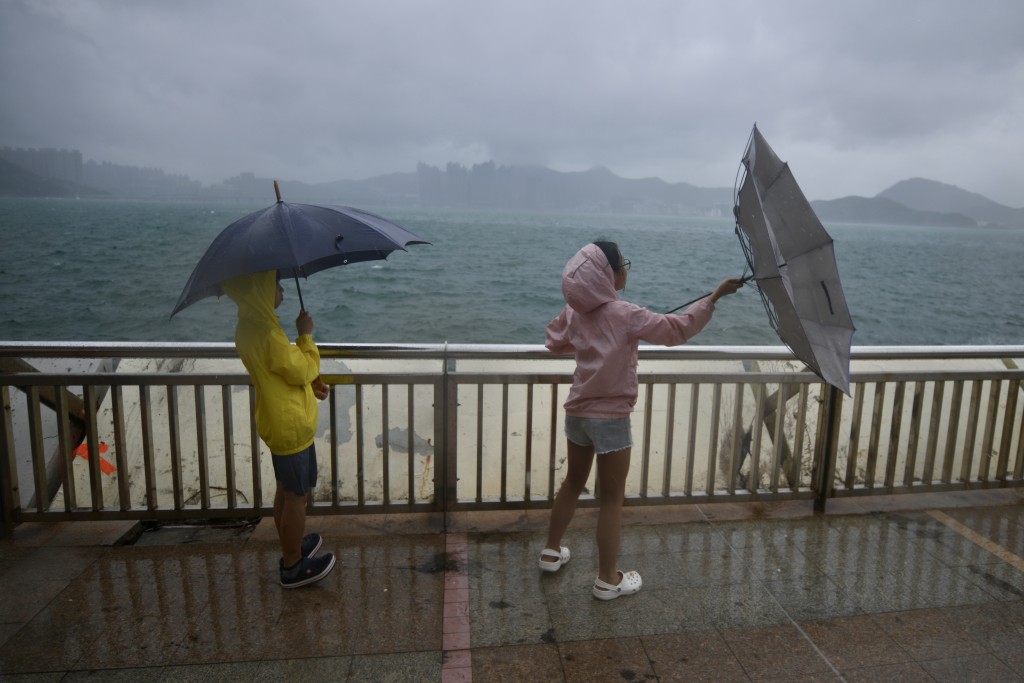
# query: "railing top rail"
{"type": "Point", "coordinates": [78, 349]}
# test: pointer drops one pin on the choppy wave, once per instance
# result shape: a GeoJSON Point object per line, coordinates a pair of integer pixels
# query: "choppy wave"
{"type": "Point", "coordinates": [93, 271]}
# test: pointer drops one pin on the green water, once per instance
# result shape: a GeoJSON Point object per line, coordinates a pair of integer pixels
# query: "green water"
{"type": "Point", "coordinates": [106, 271]}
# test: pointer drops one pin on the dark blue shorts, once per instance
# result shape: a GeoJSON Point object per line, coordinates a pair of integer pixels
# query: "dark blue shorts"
{"type": "Point", "coordinates": [296, 472]}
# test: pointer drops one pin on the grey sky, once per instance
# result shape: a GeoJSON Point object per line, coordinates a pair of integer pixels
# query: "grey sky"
{"type": "Point", "coordinates": [855, 95]}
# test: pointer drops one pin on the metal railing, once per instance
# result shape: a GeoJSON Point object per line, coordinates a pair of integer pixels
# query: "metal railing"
{"type": "Point", "coordinates": [440, 428]}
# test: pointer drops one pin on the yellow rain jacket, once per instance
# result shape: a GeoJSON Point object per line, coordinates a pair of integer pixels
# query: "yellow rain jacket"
{"type": "Point", "coordinates": [286, 409]}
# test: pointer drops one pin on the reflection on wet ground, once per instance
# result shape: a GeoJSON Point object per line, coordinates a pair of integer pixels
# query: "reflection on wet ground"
{"type": "Point", "coordinates": [736, 593]}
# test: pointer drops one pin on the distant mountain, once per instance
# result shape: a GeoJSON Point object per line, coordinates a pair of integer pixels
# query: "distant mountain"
{"type": "Point", "coordinates": [929, 195]}
{"type": "Point", "coordinates": [537, 188]}
{"type": "Point", "coordinates": [488, 186]}
{"type": "Point", "coordinates": [884, 211]}
{"type": "Point", "coordinates": [63, 173]}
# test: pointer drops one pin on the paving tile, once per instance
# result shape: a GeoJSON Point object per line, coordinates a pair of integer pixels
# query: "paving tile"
{"type": "Point", "coordinates": [665, 515]}
{"type": "Point", "coordinates": [228, 558]}
{"type": "Point", "coordinates": [714, 568]}
{"type": "Point", "coordinates": [44, 645]}
{"type": "Point", "coordinates": [420, 553]}
{"type": "Point", "coordinates": [614, 660]}
{"type": "Point", "coordinates": [692, 538]}
{"type": "Point", "coordinates": [998, 626]}
{"type": "Point", "coordinates": [20, 600]}
{"type": "Point", "coordinates": [151, 674]}
{"type": "Point", "coordinates": [934, 585]}
{"type": "Point", "coordinates": [1003, 526]}
{"type": "Point", "coordinates": [779, 561]}
{"type": "Point", "coordinates": [759, 510]}
{"type": "Point", "coordinates": [697, 656]}
{"type": "Point", "coordinates": [910, 672]}
{"type": "Point", "coordinates": [397, 667]}
{"type": "Point", "coordinates": [12, 554]}
{"type": "Point", "coordinates": [31, 534]}
{"type": "Point", "coordinates": [228, 672]}
{"type": "Point", "coordinates": [7, 631]}
{"type": "Point", "coordinates": [209, 610]}
{"type": "Point", "coordinates": [316, 669]}
{"type": "Point", "coordinates": [816, 677]}
{"type": "Point", "coordinates": [508, 618]}
{"type": "Point", "coordinates": [978, 668]}
{"type": "Point", "coordinates": [51, 564]}
{"type": "Point", "coordinates": [854, 642]}
{"type": "Point", "coordinates": [538, 662]}
{"type": "Point", "coordinates": [582, 617]}
{"type": "Point", "coordinates": [91, 533]}
{"type": "Point", "coordinates": [362, 611]}
{"type": "Point", "coordinates": [769, 533]}
{"type": "Point", "coordinates": [775, 652]}
{"type": "Point", "coordinates": [813, 597]}
{"type": "Point", "coordinates": [226, 637]}
{"type": "Point", "coordinates": [740, 605]}
{"type": "Point", "coordinates": [135, 641]}
{"type": "Point", "coordinates": [1001, 581]}
{"type": "Point", "coordinates": [929, 634]}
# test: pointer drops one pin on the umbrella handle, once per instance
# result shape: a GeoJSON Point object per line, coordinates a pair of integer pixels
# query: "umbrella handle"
{"type": "Point", "coordinates": [298, 289]}
{"type": "Point", "coordinates": [746, 279]}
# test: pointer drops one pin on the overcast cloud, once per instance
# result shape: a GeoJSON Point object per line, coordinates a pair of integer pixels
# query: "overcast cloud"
{"type": "Point", "coordinates": [855, 95]}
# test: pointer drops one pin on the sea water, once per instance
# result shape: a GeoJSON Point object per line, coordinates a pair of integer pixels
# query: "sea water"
{"type": "Point", "coordinates": [90, 270]}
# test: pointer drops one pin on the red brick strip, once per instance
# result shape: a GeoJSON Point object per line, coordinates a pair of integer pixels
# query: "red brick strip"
{"type": "Point", "coordinates": [457, 664]}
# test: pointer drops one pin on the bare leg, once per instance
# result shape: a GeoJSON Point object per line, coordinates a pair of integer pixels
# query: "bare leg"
{"type": "Point", "coordinates": [581, 458]}
{"type": "Point", "coordinates": [292, 524]}
{"type": "Point", "coordinates": [612, 469]}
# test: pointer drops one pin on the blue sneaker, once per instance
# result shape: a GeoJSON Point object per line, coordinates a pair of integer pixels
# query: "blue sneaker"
{"type": "Point", "coordinates": [311, 543]}
{"type": "Point", "coordinates": [306, 571]}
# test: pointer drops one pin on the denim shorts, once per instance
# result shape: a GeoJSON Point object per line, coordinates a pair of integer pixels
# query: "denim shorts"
{"type": "Point", "coordinates": [296, 472]}
{"type": "Point", "coordinates": [605, 435]}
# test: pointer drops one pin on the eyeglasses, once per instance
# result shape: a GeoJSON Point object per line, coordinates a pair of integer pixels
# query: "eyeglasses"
{"type": "Point", "coordinates": [625, 264]}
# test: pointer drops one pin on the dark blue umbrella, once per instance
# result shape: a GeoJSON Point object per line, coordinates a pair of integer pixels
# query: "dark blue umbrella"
{"type": "Point", "coordinates": [295, 240]}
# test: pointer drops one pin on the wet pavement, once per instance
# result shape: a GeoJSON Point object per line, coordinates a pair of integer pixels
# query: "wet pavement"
{"type": "Point", "coordinates": [901, 588]}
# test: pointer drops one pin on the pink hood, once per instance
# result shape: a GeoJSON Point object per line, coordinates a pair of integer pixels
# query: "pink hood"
{"type": "Point", "coordinates": [604, 333]}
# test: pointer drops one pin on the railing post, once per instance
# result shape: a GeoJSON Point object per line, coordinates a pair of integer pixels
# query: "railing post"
{"type": "Point", "coordinates": [447, 488]}
{"type": "Point", "coordinates": [7, 506]}
{"type": "Point", "coordinates": [830, 446]}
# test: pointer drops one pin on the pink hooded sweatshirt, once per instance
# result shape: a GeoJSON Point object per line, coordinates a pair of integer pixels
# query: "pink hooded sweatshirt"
{"type": "Point", "coordinates": [604, 332]}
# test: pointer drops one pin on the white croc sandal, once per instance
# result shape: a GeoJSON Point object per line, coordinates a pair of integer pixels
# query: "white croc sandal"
{"type": "Point", "coordinates": [556, 564]}
{"type": "Point", "coordinates": [629, 583]}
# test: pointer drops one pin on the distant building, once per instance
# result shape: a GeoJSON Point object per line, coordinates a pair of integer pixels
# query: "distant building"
{"type": "Point", "coordinates": [64, 165]}
{"type": "Point", "coordinates": [90, 177]}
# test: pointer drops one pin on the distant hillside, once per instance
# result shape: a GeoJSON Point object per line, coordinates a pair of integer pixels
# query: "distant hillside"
{"type": "Point", "coordinates": [928, 195]}
{"type": "Point", "coordinates": [485, 186]}
{"type": "Point", "coordinates": [884, 211]}
{"type": "Point", "coordinates": [488, 186]}
{"type": "Point", "coordinates": [538, 188]}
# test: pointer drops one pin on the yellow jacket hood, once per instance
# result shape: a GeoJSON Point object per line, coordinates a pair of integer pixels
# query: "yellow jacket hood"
{"type": "Point", "coordinates": [286, 409]}
{"type": "Point", "coordinates": [254, 295]}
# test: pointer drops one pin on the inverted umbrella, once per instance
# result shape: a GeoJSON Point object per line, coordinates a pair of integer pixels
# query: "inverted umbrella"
{"type": "Point", "coordinates": [295, 240]}
{"type": "Point", "coordinates": [794, 265]}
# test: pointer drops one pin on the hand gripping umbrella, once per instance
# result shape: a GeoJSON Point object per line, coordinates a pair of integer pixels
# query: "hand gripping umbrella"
{"type": "Point", "coordinates": [793, 263]}
{"type": "Point", "coordinates": [295, 240]}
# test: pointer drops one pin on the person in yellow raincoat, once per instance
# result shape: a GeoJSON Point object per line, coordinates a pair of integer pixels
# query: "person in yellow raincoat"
{"type": "Point", "coordinates": [288, 385]}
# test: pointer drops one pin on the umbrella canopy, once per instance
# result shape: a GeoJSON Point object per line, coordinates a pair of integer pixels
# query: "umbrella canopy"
{"type": "Point", "coordinates": [296, 240]}
{"type": "Point", "coordinates": [794, 265]}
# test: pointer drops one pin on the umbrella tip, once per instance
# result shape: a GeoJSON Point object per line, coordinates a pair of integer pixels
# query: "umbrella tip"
{"type": "Point", "coordinates": [277, 191]}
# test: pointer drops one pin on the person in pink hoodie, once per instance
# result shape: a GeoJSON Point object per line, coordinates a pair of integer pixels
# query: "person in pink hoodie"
{"type": "Point", "coordinates": [604, 332]}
